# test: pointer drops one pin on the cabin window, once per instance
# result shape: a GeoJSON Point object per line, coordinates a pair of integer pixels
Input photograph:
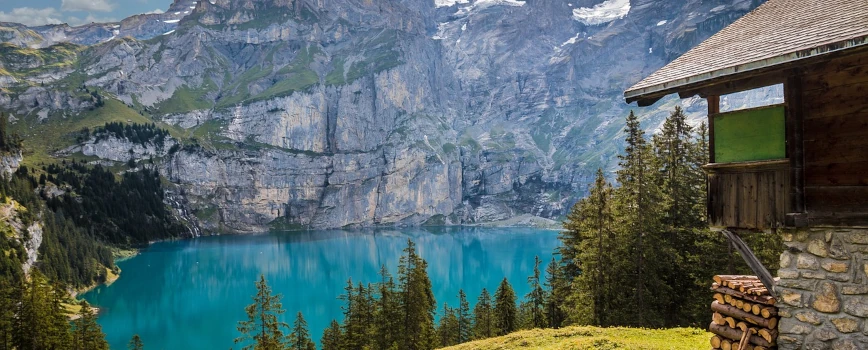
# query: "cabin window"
{"type": "Point", "coordinates": [750, 135]}
{"type": "Point", "coordinates": [759, 97]}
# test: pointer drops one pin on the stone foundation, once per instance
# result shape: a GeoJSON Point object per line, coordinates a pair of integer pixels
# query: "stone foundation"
{"type": "Point", "coordinates": [823, 289]}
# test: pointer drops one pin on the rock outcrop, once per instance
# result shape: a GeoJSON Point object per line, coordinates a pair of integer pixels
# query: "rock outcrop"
{"type": "Point", "coordinates": [337, 113]}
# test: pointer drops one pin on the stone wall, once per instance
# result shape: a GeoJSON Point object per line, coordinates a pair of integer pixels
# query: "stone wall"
{"type": "Point", "coordinates": [823, 289]}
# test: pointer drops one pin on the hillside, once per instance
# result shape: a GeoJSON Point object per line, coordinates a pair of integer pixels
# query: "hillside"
{"type": "Point", "coordinates": [345, 113]}
{"type": "Point", "coordinates": [576, 338]}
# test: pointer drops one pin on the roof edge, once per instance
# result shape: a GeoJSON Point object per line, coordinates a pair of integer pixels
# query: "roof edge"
{"type": "Point", "coordinates": [659, 90]}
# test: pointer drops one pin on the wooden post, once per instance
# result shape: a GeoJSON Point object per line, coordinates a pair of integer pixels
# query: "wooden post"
{"type": "Point", "coordinates": [795, 146]}
{"type": "Point", "coordinates": [713, 109]}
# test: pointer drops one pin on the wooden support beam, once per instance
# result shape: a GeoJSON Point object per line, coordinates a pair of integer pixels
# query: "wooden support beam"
{"type": "Point", "coordinates": [713, 109]}
{"type": "Point", "coordinates": [755, 265]}
{"type": "Point", "coordinates": [795, 141]}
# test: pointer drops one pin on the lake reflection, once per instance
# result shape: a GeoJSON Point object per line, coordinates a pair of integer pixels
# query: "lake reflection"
{"type": "Point", "coordinates": [189, 294]}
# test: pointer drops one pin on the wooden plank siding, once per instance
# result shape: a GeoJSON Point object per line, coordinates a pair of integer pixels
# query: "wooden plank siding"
{"type": "Point", "coordinates": [834, 98]}
{"type": "Point", "coordinates": [751, 195]}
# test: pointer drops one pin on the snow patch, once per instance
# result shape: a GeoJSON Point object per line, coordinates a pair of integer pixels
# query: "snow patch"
{"type": "Point", "coordinates": [650, 50]}
{"type": "Point", "coordinates": [719, 8]}
{"type": "Point", "coordinates": [172, 21]}
{"type": "Point", "coordinates": [169, 32]}
{"type": "Point", "coordinates": [489, 3]}
{"type": "Point", "coordinates": [602, 13]}
{"type": "Point", "coordinates": [186, 12]}
{"type": "Point", "coordinates": [447, 3]}
{"type": "Point", "coordinates": [572, 40]}
{"type": "Point", "coordinates": [178, 13]}
{"type": "Point", "coordinates": [464, 27]}
{"type": "Point", "coordinates": [192, 7]}
{"type": "Point", "coordinates": [661, 22]}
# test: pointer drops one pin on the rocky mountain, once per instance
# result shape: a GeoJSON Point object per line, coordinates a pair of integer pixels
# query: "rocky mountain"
{"type": "Point", "coordinates": [345, 113]}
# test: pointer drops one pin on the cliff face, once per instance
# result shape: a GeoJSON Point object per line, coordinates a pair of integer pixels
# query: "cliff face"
{"type": "Point", "coordinates": [334, 113]}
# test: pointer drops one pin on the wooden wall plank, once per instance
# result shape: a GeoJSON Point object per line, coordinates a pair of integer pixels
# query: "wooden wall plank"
{"type": "Point", "coordinates": [837, 126]}
{"type": "Point", "coordinates": [840, 75]}
{"type": "Point", "coordinates": [854, 173]}
{"type": "Point", "coordinates": [832, 106]}
{"type": "Point", "coordinates": [749, 200]}
{"type": "Point", "coordinates": [830, 199]}
{"type": "Point", "coordinates": [836, 150]}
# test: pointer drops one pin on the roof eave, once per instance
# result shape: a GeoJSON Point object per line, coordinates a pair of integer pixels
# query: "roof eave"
{"type": "Point", "coordinates": [650, 94]}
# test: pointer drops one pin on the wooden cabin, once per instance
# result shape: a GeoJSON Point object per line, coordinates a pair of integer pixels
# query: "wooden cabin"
{"type": "Point", "coordinates": [797, 164]}
{"type": "Point", "coordinates": [799, 168]}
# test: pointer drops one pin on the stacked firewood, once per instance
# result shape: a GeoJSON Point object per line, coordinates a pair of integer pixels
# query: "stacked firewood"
{"type": "Point", "coordinates": [745, 316]}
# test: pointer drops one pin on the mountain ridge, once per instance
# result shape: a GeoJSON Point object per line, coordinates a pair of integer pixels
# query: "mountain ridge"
{"type": "Point", "coordinates": [345, 113]}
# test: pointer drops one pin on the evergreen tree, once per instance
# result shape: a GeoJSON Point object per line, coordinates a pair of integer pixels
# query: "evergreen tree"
{"type": "Point", "coordinates": [262, 326]}
{"type": "Point", "coordinates": [463, 318]}
{"type": "Point", "coordinates": [535, 299]}
{"type": "Point", "coordinates": [591, 221]}
{"type": "Point", "coordinates": [33, 324]}
{"type": "Point", "coordinates": [637, 203]}
{"type": "Point", "coordinates": [59, 335]}
{"type": "Point", "coordinates": [559, 289]}
{"type": "Point", "coordinates": [86, 333]}
{"type": "Point", "coordinates": [417, 301]}
{"type": "Point", "coordinates": [447, 330]}
{"type": "Point", "coordinates": [505, 312]}
{"type": "Point", "coordinates": [356, 316]}
{"type": "Point", "coordinates": [299, 339]}
{"type": "Point", "coordinates": [332, 339]}
{"type": "Point", "coordinates": [136, 343]}
{"type": "Point", "coordinates": [387, 313]}
{"type": "Point", "coordinates": [9, 298]}
{"type": "Point", "coordinates": [483, 316]}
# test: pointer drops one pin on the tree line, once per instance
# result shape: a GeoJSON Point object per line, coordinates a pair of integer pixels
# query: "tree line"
{"type": "Point", "coordinates": [640, 253]}
{"type": "Point", "coordinates": [396, 313]}
{"type": "Point", "coordinates": [95, 211]}
{"type": "Point", "coordinates": [136, 133]}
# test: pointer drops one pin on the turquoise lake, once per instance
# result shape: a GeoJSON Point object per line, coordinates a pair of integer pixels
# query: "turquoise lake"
{"type": "Point", "coordinates": [189, 294]}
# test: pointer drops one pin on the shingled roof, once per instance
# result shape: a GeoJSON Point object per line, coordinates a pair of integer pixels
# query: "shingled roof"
{"type": "Point", "coordinates": [777, 32]}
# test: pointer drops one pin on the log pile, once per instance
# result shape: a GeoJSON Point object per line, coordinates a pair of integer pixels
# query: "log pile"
{"type": "Point", "coordinates": [744, 314]}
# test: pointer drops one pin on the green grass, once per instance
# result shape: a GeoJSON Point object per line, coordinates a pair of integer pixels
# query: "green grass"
{"type": "Point", "coordinates": [42, 139]}
{"type": "Point", "coordinates": [596, 338]}
{"type": "Point", "coordinates": [296, 76]}
{"type": "Point", "coordinates": [50, 58]}
{"type": "Point", "coordinates": [187, 99]}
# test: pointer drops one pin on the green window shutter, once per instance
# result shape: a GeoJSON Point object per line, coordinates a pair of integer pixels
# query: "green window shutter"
{"type": "Point", "coordinates": [750, 135]}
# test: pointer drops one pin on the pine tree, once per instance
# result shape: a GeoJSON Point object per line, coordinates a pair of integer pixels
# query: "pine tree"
{"type": "Point", "coordinates": [136, 343]}
{"type": "Point", "coordinates": [558, 288]}
{"type": "Point", "coordinates": [483, 316]}
{"type": "Point", "coordinates": [387, 314]}
{"type": "Point", "coordinates": [505, 311]}
{"type": "Point", "coordinates": [59, 336]}
{"type": "Point", "coordinates": [262, 326]}
{"type": "Point", "coordinates": [535, 299]}
{"type": "Point", "coordinates": [417, 301]}
{"type": "Point", "coordinates": [448, 327]}
{"type": "Point", "coordinates": [356, 316]}
{"type": "Point", "coordinates": [299, 339]}
{"type": "Point", "coordinates": [463, 318]}
{"type": "Point", "coordinates": [637, 203]}
{"type": "Point", "coordinates": [34, 325]}
{"type": "Point", "coordinates": [591, 220]}
{"type": "Point", "coordinates": [332, 338]}
{"type": "Point", "coordinates": [10, 297]}
{"type": "Point", "coordinates": [86, 333]}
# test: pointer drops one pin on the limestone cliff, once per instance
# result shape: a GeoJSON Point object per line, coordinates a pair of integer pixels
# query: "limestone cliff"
{"type": "Point", "coordinates": [336, 113]}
